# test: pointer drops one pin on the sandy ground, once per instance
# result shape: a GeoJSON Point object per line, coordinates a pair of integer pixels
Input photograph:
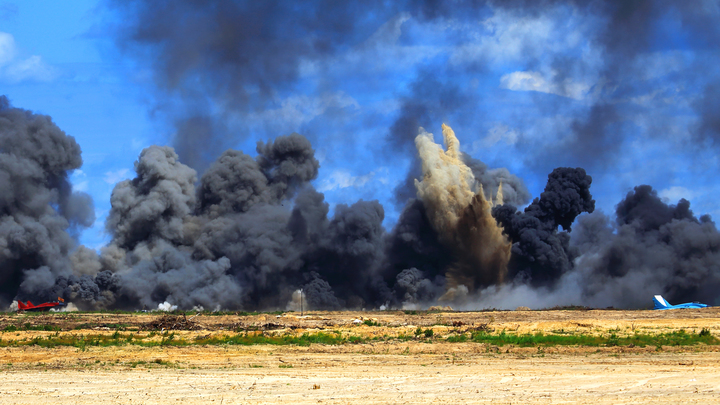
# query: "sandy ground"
{"type": "Point", "coordinates": [236, 377]}
{"type": "Point", "coordinates": [381, 372]}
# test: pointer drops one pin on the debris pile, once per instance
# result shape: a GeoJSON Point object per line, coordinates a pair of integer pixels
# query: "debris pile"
{"type": "Point", "coordinates": [172, 322]}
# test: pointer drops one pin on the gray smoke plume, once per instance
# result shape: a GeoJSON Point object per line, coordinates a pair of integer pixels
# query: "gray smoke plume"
{"type": "Point", "coordinates": [154, 205]}
{"type": "Point", "coordinates": [153, 229]}
{"type": "Point", "coordinates": [221, 245]}
{"type": "Point", "coordinates": [252, 230]}
{"type": "Point", "coordinates": [415, 289]}
{"type": "Point", "coordinates": [514, 191]}
{"type": "Point", "coordinates": [653, 247]}
{"type": "Point", "coordinates": [236, 182]}
{"type": "Point", "coordinates": [255, 231]}
{"type": "Point", "coordinates": [38, 209]}
{"type": "Point", "coordinates": [319, 294]}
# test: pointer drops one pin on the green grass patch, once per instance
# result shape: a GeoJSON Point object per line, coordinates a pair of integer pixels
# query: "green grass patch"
{"type": "Point", "coordinates": [678, 338]}
{"type": "Point", "coordinates": [305, 339]}
{"type": "Point", "coordinates": [153, 339]}
{"type": "Point", "coordinates": [461, 338]}
{"type": "Point", "coordinates": [28, 326]}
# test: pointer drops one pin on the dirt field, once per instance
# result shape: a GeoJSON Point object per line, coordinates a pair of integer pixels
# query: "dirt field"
{"type": "Point", "coordinates": [383, 371]}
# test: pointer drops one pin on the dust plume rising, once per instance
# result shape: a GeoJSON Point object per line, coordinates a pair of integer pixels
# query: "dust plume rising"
{"type": "Point", "coordinates": [460, 214]}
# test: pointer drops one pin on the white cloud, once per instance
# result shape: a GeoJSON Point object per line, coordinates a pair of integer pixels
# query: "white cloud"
{"type": "Point", "coordinates": [508, 38]}
{"type": "Point", "coordinates": [534, 81]}
{"type": "Point", "coordinates": [79, 181]}
{"type": "Point", "coordinates": [7, 48]}
{"type": "Point", "coordinates": [297, 110]}
{"type": "Point", "coordinates": [498, 133]}
{"type": "Point", "coordinates": [381, 53]}
{"type": "Point", "coordinates": [343, 179]}
{"type": "Point", "coordinates": [15, 69]}
{"type": "Point", "coordinates": [32, 68]}
{"type": "Point", "coordinates": [81, 186]}
{"type": "Point", "coordinates": [672, 195]}
{"type": "Point", "coordinates": [113, 177]}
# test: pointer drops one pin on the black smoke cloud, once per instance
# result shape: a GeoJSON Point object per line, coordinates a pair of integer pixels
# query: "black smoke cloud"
{"type": "Point", "coordinates": [247, 234]}
{"type": "Point", "coordinates": [249, 231]}
{"type": "Point", "coordinates": [541, 253]}
{"type": "Point", "coordinates": [651, 248]}
{"type": "Point", "coordinates": [38, 208]}
{"type": "Point", "coordinates": [254, 231]}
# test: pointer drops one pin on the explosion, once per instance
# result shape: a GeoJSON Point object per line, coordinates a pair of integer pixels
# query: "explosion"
{"type": "Point", "coordinates": [251, 232]}
{"type": "Point", "coordinates": [460, 214]}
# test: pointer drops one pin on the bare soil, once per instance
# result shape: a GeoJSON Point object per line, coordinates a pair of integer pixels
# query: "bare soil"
{"type": "Point", "coordinates": [390, 371]}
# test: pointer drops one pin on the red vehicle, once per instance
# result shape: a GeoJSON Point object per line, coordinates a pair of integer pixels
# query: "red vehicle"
{"type": "Point", "coordinates": [29, 306]}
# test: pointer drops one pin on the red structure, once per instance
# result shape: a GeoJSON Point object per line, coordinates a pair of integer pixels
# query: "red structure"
{"type": "Point", "coordinates": [29, 306]}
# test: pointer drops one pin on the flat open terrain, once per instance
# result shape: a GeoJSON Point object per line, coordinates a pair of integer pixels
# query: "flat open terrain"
{"type": "Point", "coordinates": [376, 357]}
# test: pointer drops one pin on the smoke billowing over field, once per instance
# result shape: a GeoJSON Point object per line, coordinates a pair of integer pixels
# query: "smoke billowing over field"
{"type": "Point", "coordinates": [201, 224]}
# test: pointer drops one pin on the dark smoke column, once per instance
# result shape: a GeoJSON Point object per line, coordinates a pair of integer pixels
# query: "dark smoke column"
{"type": "Point", "coordinates": [37, 205]}
{"type": "Point", "coordinates": [651, 248]}
{"type": "Point", "coordinates": [540, 253]}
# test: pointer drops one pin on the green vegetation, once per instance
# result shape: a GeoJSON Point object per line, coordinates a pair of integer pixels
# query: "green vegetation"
{"type": "Point", "coordinates": [170, 339]}
{"type": "Point", "coordinates": [428, 333]}
{"type": "Point", "coordinates": [305, 339]}
{"type": "Point", "coordinates": [461, 338]}
{"type": "Point", "coordinates": [28, 326]}
{"type": "Point", "coordinates": [678, 338]}
{"type": "Point", "coordinates": [481, 335]}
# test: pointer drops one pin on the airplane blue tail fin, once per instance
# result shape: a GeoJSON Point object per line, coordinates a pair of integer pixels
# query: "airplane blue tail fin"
{"type": "Point", "coordinates": [660, 302]}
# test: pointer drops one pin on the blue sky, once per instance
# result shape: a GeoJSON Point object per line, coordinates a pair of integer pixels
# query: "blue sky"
{"type": "Point", "coordinates": [515, 87]}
